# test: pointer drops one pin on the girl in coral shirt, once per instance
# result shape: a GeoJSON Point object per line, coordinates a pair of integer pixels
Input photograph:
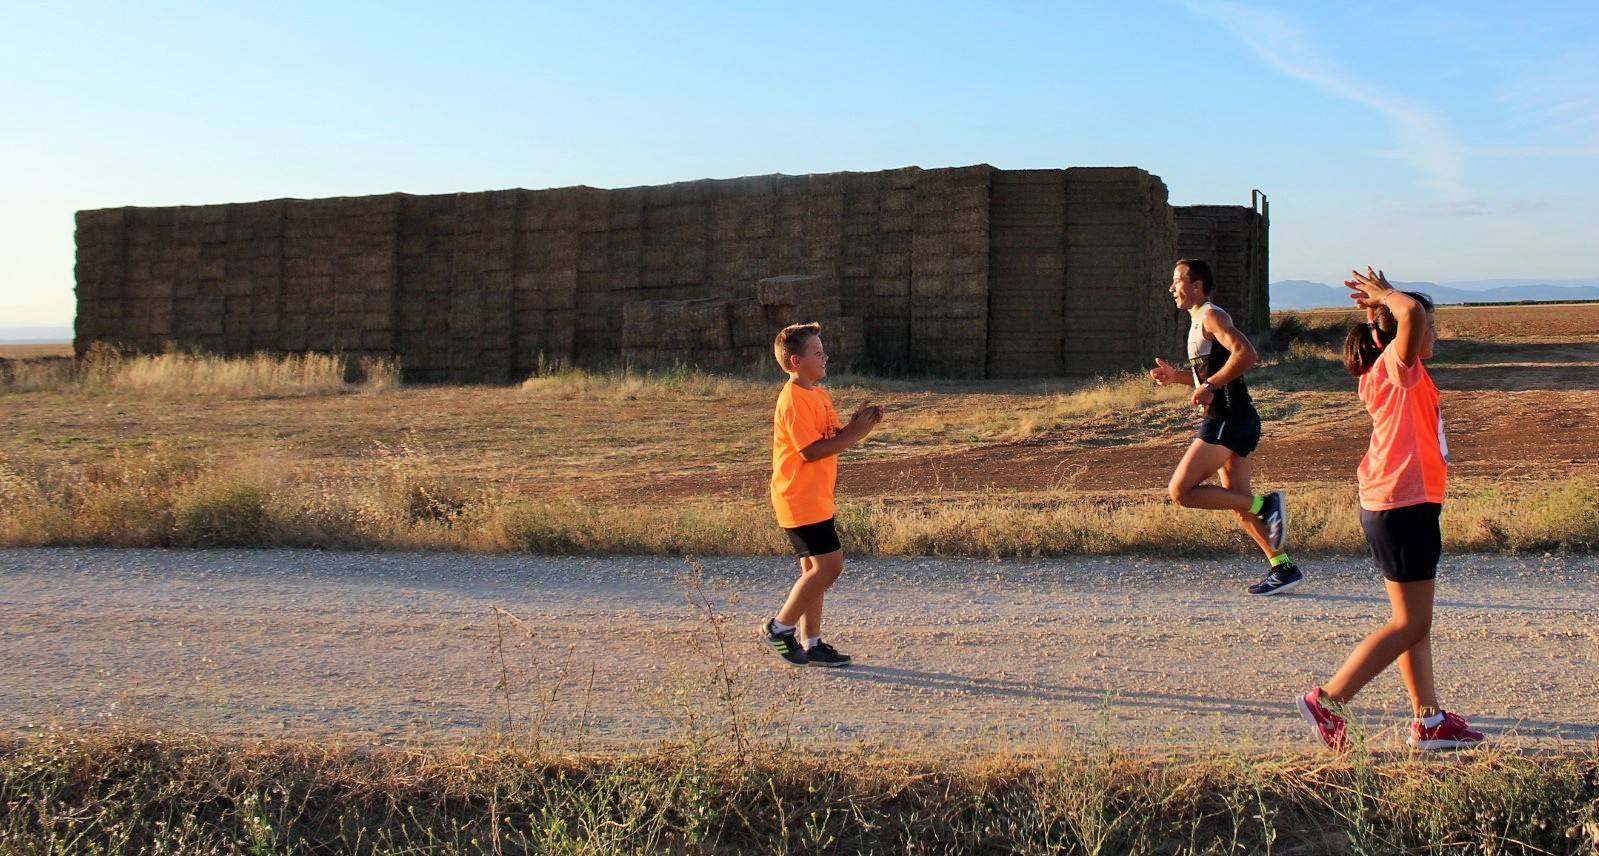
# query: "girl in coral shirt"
{"type": "Point", "coordinates": [1402, 481]}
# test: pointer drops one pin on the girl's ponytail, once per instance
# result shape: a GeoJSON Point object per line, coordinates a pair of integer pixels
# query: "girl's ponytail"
{"type": "Point", "coordinates": [1366, 341]}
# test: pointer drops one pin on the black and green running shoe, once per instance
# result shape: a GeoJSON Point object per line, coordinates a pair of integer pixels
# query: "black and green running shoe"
{"type": "Point", "coordinates": [823, 654]}
{"type": "Point", "coordinates": [785, 645]}
{"type": "Point", "coordinates": [1280, 580]}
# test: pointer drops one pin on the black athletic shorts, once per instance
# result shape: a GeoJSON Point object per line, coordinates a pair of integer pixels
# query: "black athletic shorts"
{"type": "Point", "coordinates": [1405, 542]}
{"type": "Point", "coordinates": [1239, 432]}
{"type": "Point", "coordinates": [815, 539]}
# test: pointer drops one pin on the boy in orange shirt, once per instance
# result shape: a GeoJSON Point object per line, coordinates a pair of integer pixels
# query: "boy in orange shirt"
{"type": "Point", "coordinates": [806, 441]}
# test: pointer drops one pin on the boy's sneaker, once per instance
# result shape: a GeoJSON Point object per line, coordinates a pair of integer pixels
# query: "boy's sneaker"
{"type": "Point", "coordinates": [1331, 729]}
{"type": "Point", "coordinates": [1274, 513]}
{"type": "Point", "coordinates": [1280, 579]}
{"type": "Point", "coordinates": [785, 645]}
{"type": "Point", "coordinates": [823, 654]}
{"type": "Point", "coordinates": [1452, 733]}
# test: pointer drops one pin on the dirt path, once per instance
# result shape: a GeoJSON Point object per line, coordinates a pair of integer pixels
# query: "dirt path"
{"type": "Point", "coordinates": [404, 648]}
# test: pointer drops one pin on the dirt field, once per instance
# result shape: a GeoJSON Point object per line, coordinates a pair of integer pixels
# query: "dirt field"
{"type": "Point", "coordinates": [953, 655]}
{"type": "Point", "coordinates": [1530, 321]}
{"type": "Point", "coordinates": [25, 352]}
{"type": "Point", "coordinates": [1508, 371]}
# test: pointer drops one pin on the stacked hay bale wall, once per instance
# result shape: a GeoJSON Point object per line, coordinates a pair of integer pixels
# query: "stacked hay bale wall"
{"type": "Point", "coordinates": [1233, 238]}
{"type": "Point", "coordinates": [1027, 274]}
{"type": "Point", "coordinates": [1120, 240]}
{"type": "Point", "coordinates": [1079, 260]}
{"type": "Point", "coordinates": [959, 272]}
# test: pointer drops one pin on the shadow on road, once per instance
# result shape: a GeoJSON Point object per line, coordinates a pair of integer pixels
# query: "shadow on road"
{"type": "Point", "coordinates": [1180, 702]}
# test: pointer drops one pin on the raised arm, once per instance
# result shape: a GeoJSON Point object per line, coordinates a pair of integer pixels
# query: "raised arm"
{"type": "Point", "coordinates": [1371, 291]}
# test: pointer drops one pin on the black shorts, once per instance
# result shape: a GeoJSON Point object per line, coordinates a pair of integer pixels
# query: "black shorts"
{"type": "Point", "coordinates": [815, 539]}
{"type": "Point", "coordinates": [1239, 432]}
{"type": "Point", "coordinates": [1405, 542]}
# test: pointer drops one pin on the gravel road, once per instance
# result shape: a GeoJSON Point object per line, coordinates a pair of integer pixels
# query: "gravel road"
{"type": "Point", "coordinates": [951, 654]}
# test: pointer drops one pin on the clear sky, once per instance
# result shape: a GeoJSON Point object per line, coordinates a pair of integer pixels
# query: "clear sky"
{"type": "Point", "coordinates": [1439, 140]}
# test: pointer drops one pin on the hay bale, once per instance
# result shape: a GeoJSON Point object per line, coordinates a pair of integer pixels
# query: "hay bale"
{"type": "Point", "coordinates": [709, 319]}
{"type": "Point", "coordinates": [638, 356]}
{"type": "Point", "coordinates": [747, 318]}
{"type": "Point", "coordinates": [796, 290]}
{"type": "Point", "coordinates": [778, 317]}
{"type": "Point", "coordinates": [641, 323]}
{"type": "Point", "coordinates": [846, 337]}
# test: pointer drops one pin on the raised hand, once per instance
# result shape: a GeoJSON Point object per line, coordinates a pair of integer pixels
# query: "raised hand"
{"type": "Point", "coordinates": [1368, 289]}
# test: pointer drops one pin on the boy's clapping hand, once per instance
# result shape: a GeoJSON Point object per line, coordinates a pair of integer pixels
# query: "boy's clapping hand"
{"type": "Point", "coordinates": [868, 414]}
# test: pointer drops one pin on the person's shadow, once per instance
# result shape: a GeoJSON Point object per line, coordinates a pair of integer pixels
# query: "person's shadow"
{"type": "Point", "coordinates": [1184, 702]}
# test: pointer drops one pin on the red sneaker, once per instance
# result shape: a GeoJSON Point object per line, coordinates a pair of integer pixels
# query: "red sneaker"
{"type": "Point", "coordinates": [1330, 728]}
{"type": "Point", "coordinates": [1452, 733]}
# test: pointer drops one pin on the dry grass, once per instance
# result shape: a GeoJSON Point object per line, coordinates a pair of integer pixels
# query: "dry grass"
{"type": "Point", "coordinates": [141, 792]}
{"type": "Point", "coordinates": [407, 500]}
{"type": "Point", "coordinates": [185, 375]}
{"type": "Point", "coordinates": [629, 383]}
{"type": "Point", "coordinates": [1020, 410]}
{"type": "Point", "coordinates": [1099, 404]}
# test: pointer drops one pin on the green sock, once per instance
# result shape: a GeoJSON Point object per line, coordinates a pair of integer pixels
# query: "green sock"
{"type": "Point", "coordinates": [1260, 502]}
{"type": "Point", "coordinates": [1279, 561]}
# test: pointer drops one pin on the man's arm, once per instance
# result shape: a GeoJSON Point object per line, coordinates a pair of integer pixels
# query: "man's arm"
{"type": "Point", "coordinates": [1221, 328]}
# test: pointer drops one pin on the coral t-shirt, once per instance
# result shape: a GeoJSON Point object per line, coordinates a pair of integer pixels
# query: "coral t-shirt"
{"type": "Point", "coordinates": [1407, 462]}
{"type": "Point", "coordinates": [802, 491]}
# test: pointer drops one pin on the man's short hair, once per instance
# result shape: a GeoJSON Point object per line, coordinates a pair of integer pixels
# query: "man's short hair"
{"type": "Point", "coordinates": [1199, 269]}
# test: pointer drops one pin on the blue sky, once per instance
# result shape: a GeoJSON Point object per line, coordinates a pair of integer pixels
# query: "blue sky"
{"type": "Point", "coordinates": [1441, 141]}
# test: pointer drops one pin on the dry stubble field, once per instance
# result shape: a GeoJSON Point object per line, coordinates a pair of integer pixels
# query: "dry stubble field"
{"type": "Point", "coordinates": [1521, 399]}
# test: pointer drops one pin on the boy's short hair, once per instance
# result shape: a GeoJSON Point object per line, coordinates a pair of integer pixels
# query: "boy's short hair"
{"type": "Point", "coordinates": [790, 341]}
{"type": "Point", "coordinates": [1199, 269]}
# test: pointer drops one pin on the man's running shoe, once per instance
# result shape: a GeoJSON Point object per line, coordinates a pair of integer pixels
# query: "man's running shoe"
{"type": "Point", "coordinates": [784, 645]}
{"type": "Point", "coordinates": [1274, 513]}
{"type": "Point", "coordinates": [1281, 579]}
{"type": "Point", "coordinates": [1452, 733]}
{"type": "Point", "coordinates": [823, 654]}
{"type": "Point", "coordinates": [1331, 729]}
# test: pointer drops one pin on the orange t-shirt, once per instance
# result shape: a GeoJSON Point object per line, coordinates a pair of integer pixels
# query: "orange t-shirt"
{"type": "Point", "coordinates": [802, 491]}
{"type": "Point", "coordinates": [1407, 462]}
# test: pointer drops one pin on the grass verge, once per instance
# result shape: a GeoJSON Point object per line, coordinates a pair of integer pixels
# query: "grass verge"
{"type": "Point", "coordinates": [144, 792]}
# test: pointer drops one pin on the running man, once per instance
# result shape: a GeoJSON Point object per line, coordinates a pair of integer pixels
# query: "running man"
{"type": "Point", "coordinates": [1218, 357]}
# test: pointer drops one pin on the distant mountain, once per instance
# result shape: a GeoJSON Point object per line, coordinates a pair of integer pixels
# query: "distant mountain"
{"type": "Point", "coordinates": [35, 335]}
{"type": "Point", "coordinates": [1304, 294]}
{"type": "Point", "coordinates": [1485, 284]}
